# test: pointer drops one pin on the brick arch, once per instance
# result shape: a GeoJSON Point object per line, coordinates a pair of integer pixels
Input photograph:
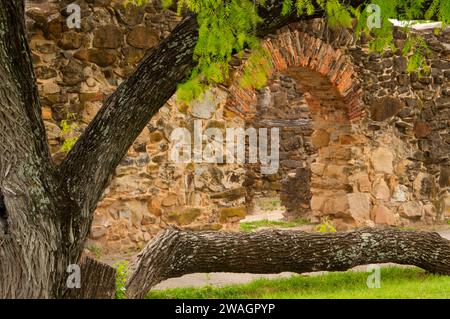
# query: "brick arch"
{"type": "Point", "coordinates": [327, 77]}
{"type": "Point", "coordinates": [294, 47]}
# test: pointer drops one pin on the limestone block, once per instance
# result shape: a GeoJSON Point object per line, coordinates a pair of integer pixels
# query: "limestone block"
{"type": "Point", "coordinates": [384, 216]}
{"type": "Point", "coordinates": [382, 160]}
{"type": "Point", "coordinates": [359, 206]}
{"type": "Point", "coordinates": [108, 37]}
{"type": "Point", "coordinates": [381, 190]}
{"type": "Point", "coordinates": [411, 209]}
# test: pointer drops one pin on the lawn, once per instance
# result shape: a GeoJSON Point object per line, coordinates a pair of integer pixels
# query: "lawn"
{"type": "Point", "coordinates": [396, 282]}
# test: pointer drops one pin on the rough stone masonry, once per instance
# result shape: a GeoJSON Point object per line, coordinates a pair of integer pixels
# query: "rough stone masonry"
{"type": "Point", "coordinates": [363, 141]}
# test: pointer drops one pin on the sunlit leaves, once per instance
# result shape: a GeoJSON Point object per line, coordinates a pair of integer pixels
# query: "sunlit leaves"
{"type": "Point", "coordinates": [226, 27]}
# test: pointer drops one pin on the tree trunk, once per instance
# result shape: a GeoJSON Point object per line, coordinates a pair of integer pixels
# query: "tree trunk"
{"type": "Point", "coordinates": [48, 210]}
{"type": "Point", "coordinates": [98, 281]}
{"type": "Point", "coordinates": [37, 240]}
{"type": "Point", "coordinates": [175, 253]}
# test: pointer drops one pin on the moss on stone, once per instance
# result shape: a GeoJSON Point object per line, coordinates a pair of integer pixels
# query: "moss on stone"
{"type": "Point", "coordinates": [230, 212]}
{"type": "Point", "coordinates": [184, 216]}
{"type": "Point", "coordinates": [231, 194]}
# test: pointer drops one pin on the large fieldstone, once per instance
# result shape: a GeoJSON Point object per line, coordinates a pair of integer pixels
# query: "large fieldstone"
{"type": "Point", "coordinates": [383, 216]}
{"type": "Point", "coordinates": [359, 206]}
{"type": "Point", "coordinates": [108, 37]}
{"type": "Point", "coordinates": [142, 37]}
{"type": "Point", "coordinates": [205, 107]}
{"type": "Point", "coordinates": [70, 40]}
{"type": "Point", "coordinates": [381, 190]}
{"type": "Point", "coordinates": [100, 57]}
{"type": "Point", "coordinates": [446, 205]}
{"type": "Point", "coordinates": [228, 213]}
{"type": "Point", "coordinates": [320, 138]}
{"type": "Point", "coordinates": [421, 129]}
{"type": "Point", "coordinates": [410, 210]}
{"type": "Point", "coordinates": [382, 159]}
{"type": "Point", "coordinates": [385, 108]}
{"type": "Point", "coordinates": [170, 200]}
{"type": "Point", "coordinates": [422, 185]}
{"type": "Point", "coordinates": [72, 73]}
{"type": "Point", "coordinates": [184, 216]}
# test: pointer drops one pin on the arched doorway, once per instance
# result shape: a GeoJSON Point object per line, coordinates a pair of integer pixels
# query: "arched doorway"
{"type": "Point", "coordinates": [314, 98]}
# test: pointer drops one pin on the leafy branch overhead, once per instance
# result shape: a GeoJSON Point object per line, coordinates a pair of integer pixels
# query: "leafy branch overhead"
{"type": "Point", "coordinates": [227, 27]}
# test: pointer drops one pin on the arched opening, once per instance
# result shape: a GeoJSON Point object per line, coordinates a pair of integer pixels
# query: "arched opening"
{"type": "Point", "coordinates": [315, 145]}
{"type": "Point", "coordinates": [313, 97]}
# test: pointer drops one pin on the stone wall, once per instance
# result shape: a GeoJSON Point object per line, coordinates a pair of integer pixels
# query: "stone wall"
{"type": "Point", "coordinates": [282, 104]}
{"type": "Point", "coordinates": [77, 70]}
{"type": "Point", "coordinates": [382, 133]}
{"type": "Point", "coordinates": [362, 141]}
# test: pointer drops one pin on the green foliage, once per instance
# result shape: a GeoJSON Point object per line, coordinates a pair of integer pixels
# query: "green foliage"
{"type": "Point", "coordinates": [226, 27]}
{"type": "Point", "coordinates": [96, 251]}
{"type": "Point", "coordinates": [338, 14]}
{"type": "Point", "coordinates": [417, 61]}
{"type": "Point", "coordinates": [439, 10]}
{"type": "Point", "coordinates": [301, 6]}
{"type": "Point", "coordinates": [396, 283]}
{"type": "Point", "coordinates": [326, 226]}
{"type": "Point", "coordinates": [68, 144]}
{"type": "Point", "coordinates": [121, 278]}
{"type": "Point", "coordinates": [257, 69]}
{"type": "Point", "coordinates": [67, 128]}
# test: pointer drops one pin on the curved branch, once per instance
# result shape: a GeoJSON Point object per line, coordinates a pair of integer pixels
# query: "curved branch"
{"type": "Point", "coordinates": [175, 253]}
{"type": "Point", "coordinates": [126, 112]}
{"type": "Point", "coordinates": [22, 132]}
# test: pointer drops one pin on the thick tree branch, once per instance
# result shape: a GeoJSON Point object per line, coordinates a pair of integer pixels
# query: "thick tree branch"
{"type": "Point", "coordinates": [21, 127]}
{"type": "Point", "coordinates": [35, 220]}
{"type": "Point", "coordinates": [124, 114]}
{"type": "Point", "coordinates": [175, 253]}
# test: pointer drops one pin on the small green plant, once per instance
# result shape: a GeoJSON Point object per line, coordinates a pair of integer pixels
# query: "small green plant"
{"type": "Point", "coordinates": [96, 251]}
{"type": "Point", "coordinates": [228, 28]}
{"type": "Point", "coordinates": [121, 278]}
{"type": "Point", "coordinates": [326, 226]}
{"type": "Point", "coordinates": [448, 221]}
{"type": "Point", "coordinates": [67, 128]}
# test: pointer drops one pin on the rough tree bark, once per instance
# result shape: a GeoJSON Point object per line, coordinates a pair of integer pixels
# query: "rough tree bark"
{"type": "Point", "coordinates": [38, 241]}
{"type": "Point", "coordinates": [49, 210]}
{"type": "Point", "coordinates": [97, 281]}
{"type": "Point", "coordinates": [175, 253]}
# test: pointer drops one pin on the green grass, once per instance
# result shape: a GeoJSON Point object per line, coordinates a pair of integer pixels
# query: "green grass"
{"type": "Point", "coordinates": [268, 204]}
{"type": "Point", "coordinates": [396, 282]}
{"type": "Point", "coordinates": [96, 251]}
{"type": "Point", "coordinates": [250, 226]}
